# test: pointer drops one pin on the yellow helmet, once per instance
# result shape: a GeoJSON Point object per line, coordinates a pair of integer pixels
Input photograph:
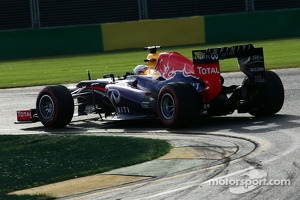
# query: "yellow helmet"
{"type": "Point", "coordinates": [152, 56]}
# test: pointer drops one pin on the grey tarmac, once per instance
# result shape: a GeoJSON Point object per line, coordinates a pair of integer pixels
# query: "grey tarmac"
{"type": "Point", "coordinates": [219, 148]}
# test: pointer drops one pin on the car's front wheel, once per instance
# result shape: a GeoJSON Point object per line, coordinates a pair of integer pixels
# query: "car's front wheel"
{"type": "Point", "coordinates": [55, 106]}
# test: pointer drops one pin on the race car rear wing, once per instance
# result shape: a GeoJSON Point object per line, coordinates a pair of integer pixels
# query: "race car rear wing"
{"type": "Point", "coordinates": [250, 59]}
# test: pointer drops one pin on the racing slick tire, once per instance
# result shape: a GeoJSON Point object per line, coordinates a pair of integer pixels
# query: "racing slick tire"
{"type": "Point", "coordinates": [55, 106]}
{"type": "Point", "coordinates": [178, 104]}
{"type": "Point", "coordinates": [268, 99]}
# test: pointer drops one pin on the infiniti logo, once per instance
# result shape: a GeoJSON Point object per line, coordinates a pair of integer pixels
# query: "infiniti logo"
{"type": "Point", "coordinates": [214, 56]}
{"type": "Point", "coordinates": [114, 95]}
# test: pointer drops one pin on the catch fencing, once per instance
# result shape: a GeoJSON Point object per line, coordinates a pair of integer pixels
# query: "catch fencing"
{"type": "Point", "coordinates": [35, 14]}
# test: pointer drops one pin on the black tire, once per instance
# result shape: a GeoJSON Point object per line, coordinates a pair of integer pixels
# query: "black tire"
{"type": "Point", "coordinates": [268, 99]}
{"type": "Point", "coordinates": [55, 106]}
{"type": "Point", "coordinates": [178, 104]}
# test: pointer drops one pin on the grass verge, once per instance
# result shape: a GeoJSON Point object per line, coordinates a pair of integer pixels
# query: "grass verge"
{"type": "Point", "coordinates": [34, 160]}
{"type": "Point", "coordinates": [280, 53]}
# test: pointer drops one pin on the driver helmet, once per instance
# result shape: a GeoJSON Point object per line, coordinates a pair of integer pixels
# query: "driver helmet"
{"type": "Point", "coordinates": [140, 70]}
{"type": "Point", "coordinates": [152, 59]}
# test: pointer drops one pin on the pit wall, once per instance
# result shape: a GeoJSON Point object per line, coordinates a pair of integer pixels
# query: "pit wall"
{"type": "Point", "coordinates": [137, 34]}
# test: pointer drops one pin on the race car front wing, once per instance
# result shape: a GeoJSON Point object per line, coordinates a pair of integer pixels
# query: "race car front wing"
{"type": "Point", "coordinates": [27, 116]}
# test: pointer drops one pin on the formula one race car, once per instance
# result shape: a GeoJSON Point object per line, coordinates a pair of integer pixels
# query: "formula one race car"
{"type": "Point", "coordinates": [172, 88]}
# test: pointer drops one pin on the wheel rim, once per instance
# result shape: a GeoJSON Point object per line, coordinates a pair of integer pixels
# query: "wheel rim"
{"type": "Point", "coordinates": [167, 106]}
{"type": "Point", "coordinates": [46, 107]}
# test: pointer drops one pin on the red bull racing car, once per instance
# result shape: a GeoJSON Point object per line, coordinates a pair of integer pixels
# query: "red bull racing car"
{"type": "Point", "coordinates": [171, 87]}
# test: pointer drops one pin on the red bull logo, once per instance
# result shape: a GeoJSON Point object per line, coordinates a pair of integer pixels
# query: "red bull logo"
{"type": "Point", "coordinates": [170, 63]}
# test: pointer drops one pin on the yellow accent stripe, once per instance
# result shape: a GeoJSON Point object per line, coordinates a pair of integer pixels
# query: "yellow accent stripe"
{"type": "Point", "coordinates": [164, 32]}
{"type": "Point", "coordinates": [81, 185]}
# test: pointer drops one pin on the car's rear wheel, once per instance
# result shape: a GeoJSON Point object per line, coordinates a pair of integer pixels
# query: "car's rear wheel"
{"type": "Point", "coordinates": [55, 106]}
{"type": "Point", "coordinates": [268, 99]}
{"type": "Point", "coordinates": [178, 104]}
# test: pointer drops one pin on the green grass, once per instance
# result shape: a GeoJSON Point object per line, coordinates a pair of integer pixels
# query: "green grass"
{"type": "Point", "coordinates": [33, 160]}
{"type": "Point", "coordinates": [279, 53]}
{"type": "Point", "coordinates": [26, 197]}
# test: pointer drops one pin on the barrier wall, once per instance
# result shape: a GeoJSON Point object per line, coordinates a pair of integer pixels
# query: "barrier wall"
{"type": "Point", "coordinates": [137, 34]}
{"type": "Point", "coordinates": [49, 42]}
{"type": "Point", "coordinates": [252, 26]}
{"type": "Point", "coordinates": [164, 32]}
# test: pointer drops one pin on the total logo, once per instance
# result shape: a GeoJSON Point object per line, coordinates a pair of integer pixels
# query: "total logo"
{"type": "Point", "coordinates": [213, 70]}
{"type": "Point", "coordinates": [24, 114]}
